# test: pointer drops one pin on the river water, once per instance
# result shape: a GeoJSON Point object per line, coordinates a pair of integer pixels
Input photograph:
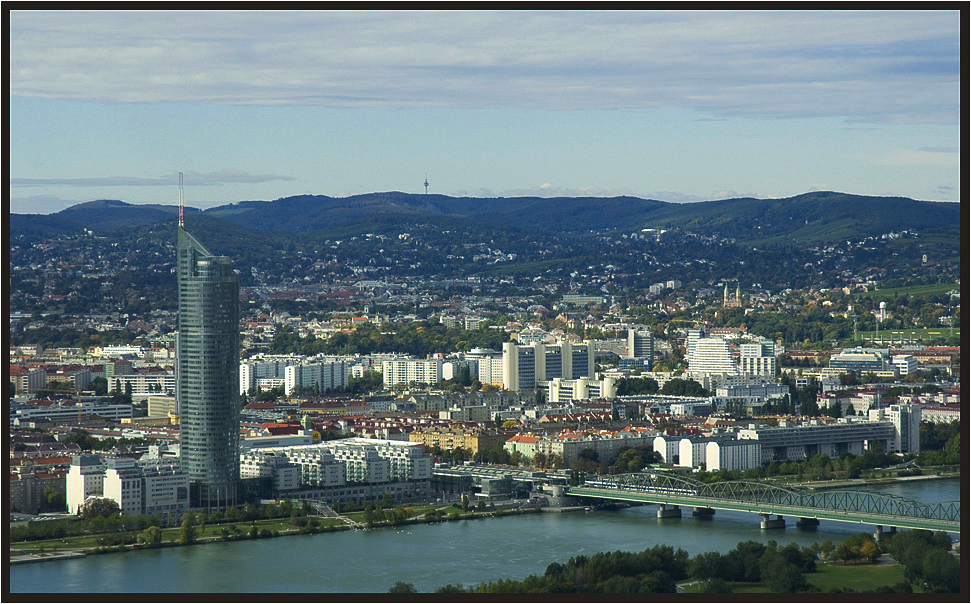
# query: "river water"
{"type": "Point", "coordinates": [427, 556]}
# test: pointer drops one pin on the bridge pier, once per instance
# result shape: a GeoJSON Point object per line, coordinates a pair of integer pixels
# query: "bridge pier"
{"type": "Point", "coordinates": [880, 535]}
{"type": "Point", "coordinates": [769, 523]}
{"type": "Point", "coordinates": [668, 511]}
{"type": "Point", "coordinates": [807, 523]}
{"type": "Point", "coordinates": [703, 513]}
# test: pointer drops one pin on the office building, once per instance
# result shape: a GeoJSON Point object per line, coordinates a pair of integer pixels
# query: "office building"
{"type": "Point", "coordinates": [323, 376]}
{"type": "Point", "coordinates": [640, 345]}
{"type": "Point", "coordinates": [757, 359]}
{"type": "Point", "coordinates": [207, 373]}
{"type": "Point", "coordinates": [711, 355]}
{"type": "Point", "coordinates": [529, 367]}
{"type": "Point", "coordinates": [85, 479]}
{"type": "Point", "coordinates": [406, 371]}
{"type": "Point", "coordinates": [798, 443]}
{"type": "Point", "coordinates": [860, 360]}
{"type": "Point", "coordinates": [155, 486]}
{"type": "Point", "coordinates": [905, 419]}
{"type": "Point", "coordinates": [561, 390]}
{"type": "Point", "coordinates": [905, 364]}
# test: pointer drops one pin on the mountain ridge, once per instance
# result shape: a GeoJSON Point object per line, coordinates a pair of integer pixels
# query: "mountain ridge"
{"type": "Point", "coordinates": [811, 216]}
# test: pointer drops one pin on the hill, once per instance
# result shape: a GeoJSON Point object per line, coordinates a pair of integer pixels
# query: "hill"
{"type": "Point", "coordinates": [101, 215]}
{"type": "Point", "coordinates": [816, 217]}
{"type": "Point", "coordinates": [811, 217]}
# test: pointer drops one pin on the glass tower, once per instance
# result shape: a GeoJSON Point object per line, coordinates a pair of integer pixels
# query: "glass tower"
{"type": "Point", "coordinates": [207, 373]}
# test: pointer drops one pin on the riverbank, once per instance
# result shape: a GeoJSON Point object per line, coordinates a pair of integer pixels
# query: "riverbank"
{"type": "Point", "coordinates": [67, 547]}
{"type": "Point", "coordinates": [25, 558]}
{"type": "Point", "coordinates": [426, 555]}
{"type": "Point", "coordinates": [865, 482]}
{"type": "Point", "coordinates": [80, 546]}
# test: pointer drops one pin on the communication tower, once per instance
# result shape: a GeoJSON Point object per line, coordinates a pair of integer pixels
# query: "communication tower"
{"type": "Point", "coordinates": [181, 201]}
{"type": "Point", "coordinates": [426, 183]}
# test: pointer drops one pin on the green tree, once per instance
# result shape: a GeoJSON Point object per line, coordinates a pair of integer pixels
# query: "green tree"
{"type": "Point", "coordinates": [187, 533]}
{"type": "Point", "coordinates": [151, 536]}
{"type": "Point", "coordinates": [942, 571]}
{"type": "Point", "coordinates": [54, 500]}
{"type": "Point", "coordinates": [402, 588]}
{"type": "Point", "coordinates": [98, 507]}
{"type": "Point", "coordinates": [539, 460]}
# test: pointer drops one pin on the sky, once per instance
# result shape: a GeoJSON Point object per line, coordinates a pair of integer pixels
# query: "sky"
{"type": "Point", "coordinates": [676, 106]}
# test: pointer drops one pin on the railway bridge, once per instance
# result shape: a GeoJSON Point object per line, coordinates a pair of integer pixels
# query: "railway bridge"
{"type": "Point", "coordinates": [671, 492]}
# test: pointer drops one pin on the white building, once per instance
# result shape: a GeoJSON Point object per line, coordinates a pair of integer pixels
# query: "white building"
{"type": "Point", "coordinates": [560, 390]}
{"type": "Point", "coordinates": [692, 451]}
{"type": "Point", "coordinates": [490, 370]}
{"type": "Point", "coordinates": [156, 486]}
{"type": "Point", "coordinates": [757, 359]}
{"type": "Point", "coordinates": [408, 370]}
{"type": "Point", "coordinates": [904, 363]}
{"type": "Point", "coordinates": [668, 448]}
{"type": "Point", "coordinates": [122, 482]}
{"type": "Point", "coordinates": [69, 410]}
{"type": "Point", "coordinates": [85, 479]}
{"type": "Point", "coordinates": [905, 419]}
{"type": "Point", "coordinates": [731, 454]}
{"type": "Point", "coordinates": [115, 352]}
{"type": "Point", "coordinates": [694, 335]}
{"type": "Point", "coordinates": [749, 394]}
{"type": "Point", "coordinates": [797, 443]}
{"type": "Point", "coordinates": [343, 470]}
{"type": "Point", "coordinates": [326, 376]}
{"type": "Point", "coordinates": [250, 372]}
{"type": "Point", "coordinates": [711, 356]}
{"type": "Point", "coordinates": [527, 367]}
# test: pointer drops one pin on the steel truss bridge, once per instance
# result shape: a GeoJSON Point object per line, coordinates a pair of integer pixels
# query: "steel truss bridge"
{"type": "Point", "coordinates": [765, 498]}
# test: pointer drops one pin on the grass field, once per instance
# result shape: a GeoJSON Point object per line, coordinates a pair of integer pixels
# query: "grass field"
{"type": "Point", "coordinates": [858, 577]}
{"type": "Point", "coordinates": [924, 334]}
{"type": "Point", "coordinates": [916, 290]}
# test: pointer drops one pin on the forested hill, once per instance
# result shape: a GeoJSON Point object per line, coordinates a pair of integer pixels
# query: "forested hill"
{"type": "Point", "coordinates": [810, 217]}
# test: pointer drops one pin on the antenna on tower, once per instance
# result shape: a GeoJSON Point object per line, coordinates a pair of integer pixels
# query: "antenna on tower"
{"type": "Point", "coordinates": [181, 201]}
{"type": "Point", "coordinates": [426, 183]}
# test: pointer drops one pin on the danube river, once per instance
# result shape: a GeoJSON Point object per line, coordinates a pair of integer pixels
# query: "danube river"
{"type": "Point", "coordinates": [427, 556]}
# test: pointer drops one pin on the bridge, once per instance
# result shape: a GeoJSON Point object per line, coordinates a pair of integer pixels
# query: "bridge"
{"type": "Point", "coordinates": [671, 491]}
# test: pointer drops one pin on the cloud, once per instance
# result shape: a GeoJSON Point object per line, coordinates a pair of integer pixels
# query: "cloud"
{"type": "Point", "coordinates": [548, 190]}
{"type": "Point", "coordinates": [895, 66]}
{"type": "Point", "coordinates": [196, 179]}
{"type": "Point", "coordinates": [920, 157]}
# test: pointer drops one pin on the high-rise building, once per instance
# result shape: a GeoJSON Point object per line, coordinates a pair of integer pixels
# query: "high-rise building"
{"type": "Point", "coordinates": [207, 373]}
{"type": "Point", "coordinates": [529, 367]}
{"type": "Point", "coordinates": [694, 335]}
{"type": "Point", "coordinates": [640, 345]}
{"type": "Point", "coordinates": [711, 355]}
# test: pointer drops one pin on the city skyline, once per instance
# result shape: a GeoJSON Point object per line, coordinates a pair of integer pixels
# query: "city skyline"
{"type": "Point", "coordinates": [676, 106]}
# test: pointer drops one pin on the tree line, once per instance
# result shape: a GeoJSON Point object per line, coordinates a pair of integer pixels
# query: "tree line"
{"type": "Point", "coordinates": [928, 566]}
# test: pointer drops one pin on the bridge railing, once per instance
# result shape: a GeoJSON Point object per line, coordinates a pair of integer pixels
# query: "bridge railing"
{"type": "Point", "coordinates": [765, 492]}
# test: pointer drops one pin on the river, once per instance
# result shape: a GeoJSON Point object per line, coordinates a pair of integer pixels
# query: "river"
{"type": "Point", "coordinates": [427, 556]}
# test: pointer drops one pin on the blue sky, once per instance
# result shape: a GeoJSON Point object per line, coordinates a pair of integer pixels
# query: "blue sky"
{"type": "Point", "coordinates": [678, 106]}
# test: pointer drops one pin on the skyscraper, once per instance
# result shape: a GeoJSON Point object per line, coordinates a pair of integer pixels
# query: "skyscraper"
{"type": "Point", "coordinates": [207, 373]}
{"type": "Point", "coordinates": [640, 345]}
